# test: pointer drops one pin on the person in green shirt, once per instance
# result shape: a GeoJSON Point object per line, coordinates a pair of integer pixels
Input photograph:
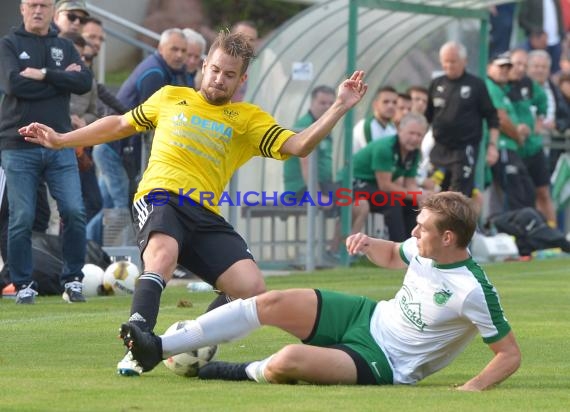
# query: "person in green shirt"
{"type": "Point", "coordinates": [296, 169]}
{"type": "Point", "coordinates": [530, 103]}
{"type": "Point", "coordinates": [509, 172]}
{"type": "Point", "coordinates": [385, 175]}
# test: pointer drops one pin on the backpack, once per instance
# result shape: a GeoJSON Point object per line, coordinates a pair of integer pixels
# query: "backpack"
{"type": "Point", "coordinates": [531, 231]}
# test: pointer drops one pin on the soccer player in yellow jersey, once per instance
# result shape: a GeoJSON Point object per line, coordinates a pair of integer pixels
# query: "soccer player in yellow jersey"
{"type": "Point", "coordinates": [200, 139]}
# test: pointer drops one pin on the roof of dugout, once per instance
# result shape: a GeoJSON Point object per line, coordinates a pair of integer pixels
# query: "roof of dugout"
{"type": "Point", "coordinates": [332, 38]}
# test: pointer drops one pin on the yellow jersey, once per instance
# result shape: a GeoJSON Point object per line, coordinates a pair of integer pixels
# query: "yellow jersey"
{"type": "Point", "coordinates": [198, 146]}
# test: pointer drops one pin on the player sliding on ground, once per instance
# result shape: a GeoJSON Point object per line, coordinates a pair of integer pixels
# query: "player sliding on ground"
{"type": "Point", "coordinates": [445, 300]}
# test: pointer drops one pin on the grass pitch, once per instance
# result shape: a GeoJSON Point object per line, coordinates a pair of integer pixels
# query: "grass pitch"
{"type": "Point", "coordinates": [60, 357]}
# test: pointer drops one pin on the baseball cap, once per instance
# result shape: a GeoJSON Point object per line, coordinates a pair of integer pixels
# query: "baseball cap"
{"type": "Point", "coordinates": [502, 59]}
{"type": "Point", "coordinates": [70, 5]}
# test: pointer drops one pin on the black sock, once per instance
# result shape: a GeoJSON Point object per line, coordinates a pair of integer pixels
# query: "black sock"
{"type": "Point", "coordinates": [220, 300]}
{"type": "Point", "coordinates": [146, 300]}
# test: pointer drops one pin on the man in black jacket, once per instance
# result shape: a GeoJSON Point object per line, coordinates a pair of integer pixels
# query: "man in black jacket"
{"type": "Point", "coordinates": [38, 72]}
{"type": "Point", "coordinates": [457, 105]}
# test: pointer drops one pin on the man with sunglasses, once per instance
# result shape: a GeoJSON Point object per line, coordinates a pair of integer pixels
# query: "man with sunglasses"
{"type": "Point", "coordinates": [70, 16]}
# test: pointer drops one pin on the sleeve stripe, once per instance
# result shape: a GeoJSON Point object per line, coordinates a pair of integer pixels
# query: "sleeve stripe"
{"type": "Point", "coordinates": [269, 139]}
{"type": "Point", "coordinates": [141, 119]}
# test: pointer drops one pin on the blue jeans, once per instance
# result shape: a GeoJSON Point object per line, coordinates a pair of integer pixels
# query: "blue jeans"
{"type": "Point", "coordinates": [25, 168]}
{"type": "Point", "coordinates": [113, 184]}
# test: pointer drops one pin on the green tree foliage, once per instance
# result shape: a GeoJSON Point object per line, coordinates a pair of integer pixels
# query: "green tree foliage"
{"type": "Point", "coordinates": [266, 14]}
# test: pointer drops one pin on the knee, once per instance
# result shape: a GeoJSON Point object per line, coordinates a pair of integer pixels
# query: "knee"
{"type": "Point", "coordinates": [161, 257]}
{"type": "Point", "coordinates": [285, 365]}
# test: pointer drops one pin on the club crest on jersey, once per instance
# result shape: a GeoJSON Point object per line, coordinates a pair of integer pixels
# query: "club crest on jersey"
{"type": "Point", "coordinates": [441, 297]}
{"type": "Point", "coordinates": [465, 92]}
{"type": "Point", "coordinates": [56, 55]}
{"type": "Point", "coordinates": [230, 114]}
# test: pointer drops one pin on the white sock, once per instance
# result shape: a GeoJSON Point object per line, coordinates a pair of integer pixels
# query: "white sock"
{"type": "Point", "coordinates": [256, 370]}
{"type": "Point", "coordinates": [223, 324]}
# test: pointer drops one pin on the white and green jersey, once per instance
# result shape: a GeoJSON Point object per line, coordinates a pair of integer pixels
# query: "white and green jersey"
{"type": "Point", "coordinates": [436, 313]}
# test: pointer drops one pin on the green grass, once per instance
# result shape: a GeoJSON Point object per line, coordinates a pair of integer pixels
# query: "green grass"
{"type": "Point", "coordinates": [60, 357]}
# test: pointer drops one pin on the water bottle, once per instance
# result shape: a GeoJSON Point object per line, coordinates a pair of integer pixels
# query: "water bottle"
{"type": "Point", "coordinates": [199, 287]}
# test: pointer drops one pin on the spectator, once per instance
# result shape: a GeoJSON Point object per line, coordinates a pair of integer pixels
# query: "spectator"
{"type": "Point", "coordinates": [83, 109]}
{"type": "Point", "coordinates": [196, 50]}
{"type": "Point", "coordinates": [249, 31]}
{"type": "Point", "coordinates": [419, 96]}
{"type": "Point", "coordinates": [445, 300]}
{"type": "Point", "coordinates": [378, 168]}
{"type": "Point", "coordinates": [403, 107]}
{"type": "Point", "coordinates": [380, 123]}
{"type": "Point", "coordinates": [296, 170]}
{"type": "Point", "coordinates": [113, 182]}
{"type": "Point", "coordinates": [501, 21]}
{"type": "Point", "coordinates": [546, 16]}
{"type": "Point", "coordinates": [458, 103]}
{"type": "Point", "coordinates": [37, 87]}
{"type": "Point", "coordinates": [70, 15]}
{"type": "Point", "coordinates": [509, 172]}
{"type": "Point", "coordinates": [530, 103]}
{"type": "Point", "coordinates": [191, 157]}
{"type": "Point", "coordinates": [94, 34]}
{"type": "Point", "coordinates": [539, 70]}
{"type": "Point", "coordinates": [164, 67]}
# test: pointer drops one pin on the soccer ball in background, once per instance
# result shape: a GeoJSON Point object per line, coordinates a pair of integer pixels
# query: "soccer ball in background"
{"type": "Point", "coordinates": [188, 363]}
{"type": "Point", "coordinates": [92, 280]}
{"type": "Point", "coordinates": [120, 278]}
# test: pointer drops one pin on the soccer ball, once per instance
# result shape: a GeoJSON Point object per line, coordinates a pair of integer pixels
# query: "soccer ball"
{"type": "Point", "coordinates": [120, 278]}
{"type": "Point", "coordinates": [188, 363]}
{"type": "Point", "coordinates": [92, 280]}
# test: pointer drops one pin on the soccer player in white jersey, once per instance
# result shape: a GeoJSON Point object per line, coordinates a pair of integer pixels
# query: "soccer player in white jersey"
{"type": "Point", "coordinates": [445, 300]}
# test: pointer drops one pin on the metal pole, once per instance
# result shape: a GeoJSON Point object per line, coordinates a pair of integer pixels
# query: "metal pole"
{"type": "Point", "coordinates": [346, 212]}
{"type": "Point", "coordinates": [312, 211]}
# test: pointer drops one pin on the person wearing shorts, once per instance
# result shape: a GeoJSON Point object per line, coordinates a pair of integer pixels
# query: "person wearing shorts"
{"type": "Point", "coordinates": [446, 299]}
{"type": "Point", "coordinates": [200, 139]}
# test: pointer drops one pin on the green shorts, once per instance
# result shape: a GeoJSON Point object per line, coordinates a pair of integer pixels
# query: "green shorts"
{"type": "Point", "coordinates": [343, 322]}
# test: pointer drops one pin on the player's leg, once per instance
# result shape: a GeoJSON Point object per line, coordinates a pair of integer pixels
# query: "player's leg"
{"type": "Point", "coordinates": [324, 366]}
{"type": "Point", "coordinates": [293, 363]}
{"type": "Point", "coordinates": [294, 311]}
{"type": "Point", "coordinates": [220, 256]}
{"type": "Point", "coordinates": [159, 240]}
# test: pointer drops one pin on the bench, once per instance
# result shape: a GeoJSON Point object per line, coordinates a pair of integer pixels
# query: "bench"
{"type": "Point", "coordinates": [279, 236]}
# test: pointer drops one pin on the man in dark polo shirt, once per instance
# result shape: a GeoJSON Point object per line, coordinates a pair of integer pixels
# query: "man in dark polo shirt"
{"type": "Point", "coordinates": [457, 105]}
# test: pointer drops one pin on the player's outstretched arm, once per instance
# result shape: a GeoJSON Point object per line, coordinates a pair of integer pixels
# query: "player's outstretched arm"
{"type": "Point", "coordinates": [101, 131]}
{"type": "Point", "coordinates": [383, 253]}
{"type": "Point", "coordinates": [506, 361]}
{"type": "Point", "coordinates": [350, 92]}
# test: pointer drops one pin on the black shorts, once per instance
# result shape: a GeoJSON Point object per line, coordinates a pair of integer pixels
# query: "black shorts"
{"type": "Point", "coordinates": [537, 166]}
{"type": "Point", "coordinates": [457, 165]}
{"type": "Point", "coordinates": [208, 245]}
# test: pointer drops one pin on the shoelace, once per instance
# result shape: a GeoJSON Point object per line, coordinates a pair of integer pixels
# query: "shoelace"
{"type": "Point", "coordinates": [27, 291]}
{"type": "Point", "coordinates": [75, 286]}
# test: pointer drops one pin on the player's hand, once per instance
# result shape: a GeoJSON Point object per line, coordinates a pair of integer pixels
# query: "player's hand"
{"type": "Point", "coordinates": [41, 134]}
{"type": "Point", "coordinates": [352, 89]}
{"type": "Point", "coordinates": [357, 243]}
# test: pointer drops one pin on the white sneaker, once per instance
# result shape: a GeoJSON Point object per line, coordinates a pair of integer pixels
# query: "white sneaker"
{"type": "Point", "coordinates": [129, 366]}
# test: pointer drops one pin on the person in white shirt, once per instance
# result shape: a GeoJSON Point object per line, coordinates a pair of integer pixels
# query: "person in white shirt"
{"type": "Point", "coordinates": [445, 300]}
{"type": "Point", "coordinates": [380, 123]}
